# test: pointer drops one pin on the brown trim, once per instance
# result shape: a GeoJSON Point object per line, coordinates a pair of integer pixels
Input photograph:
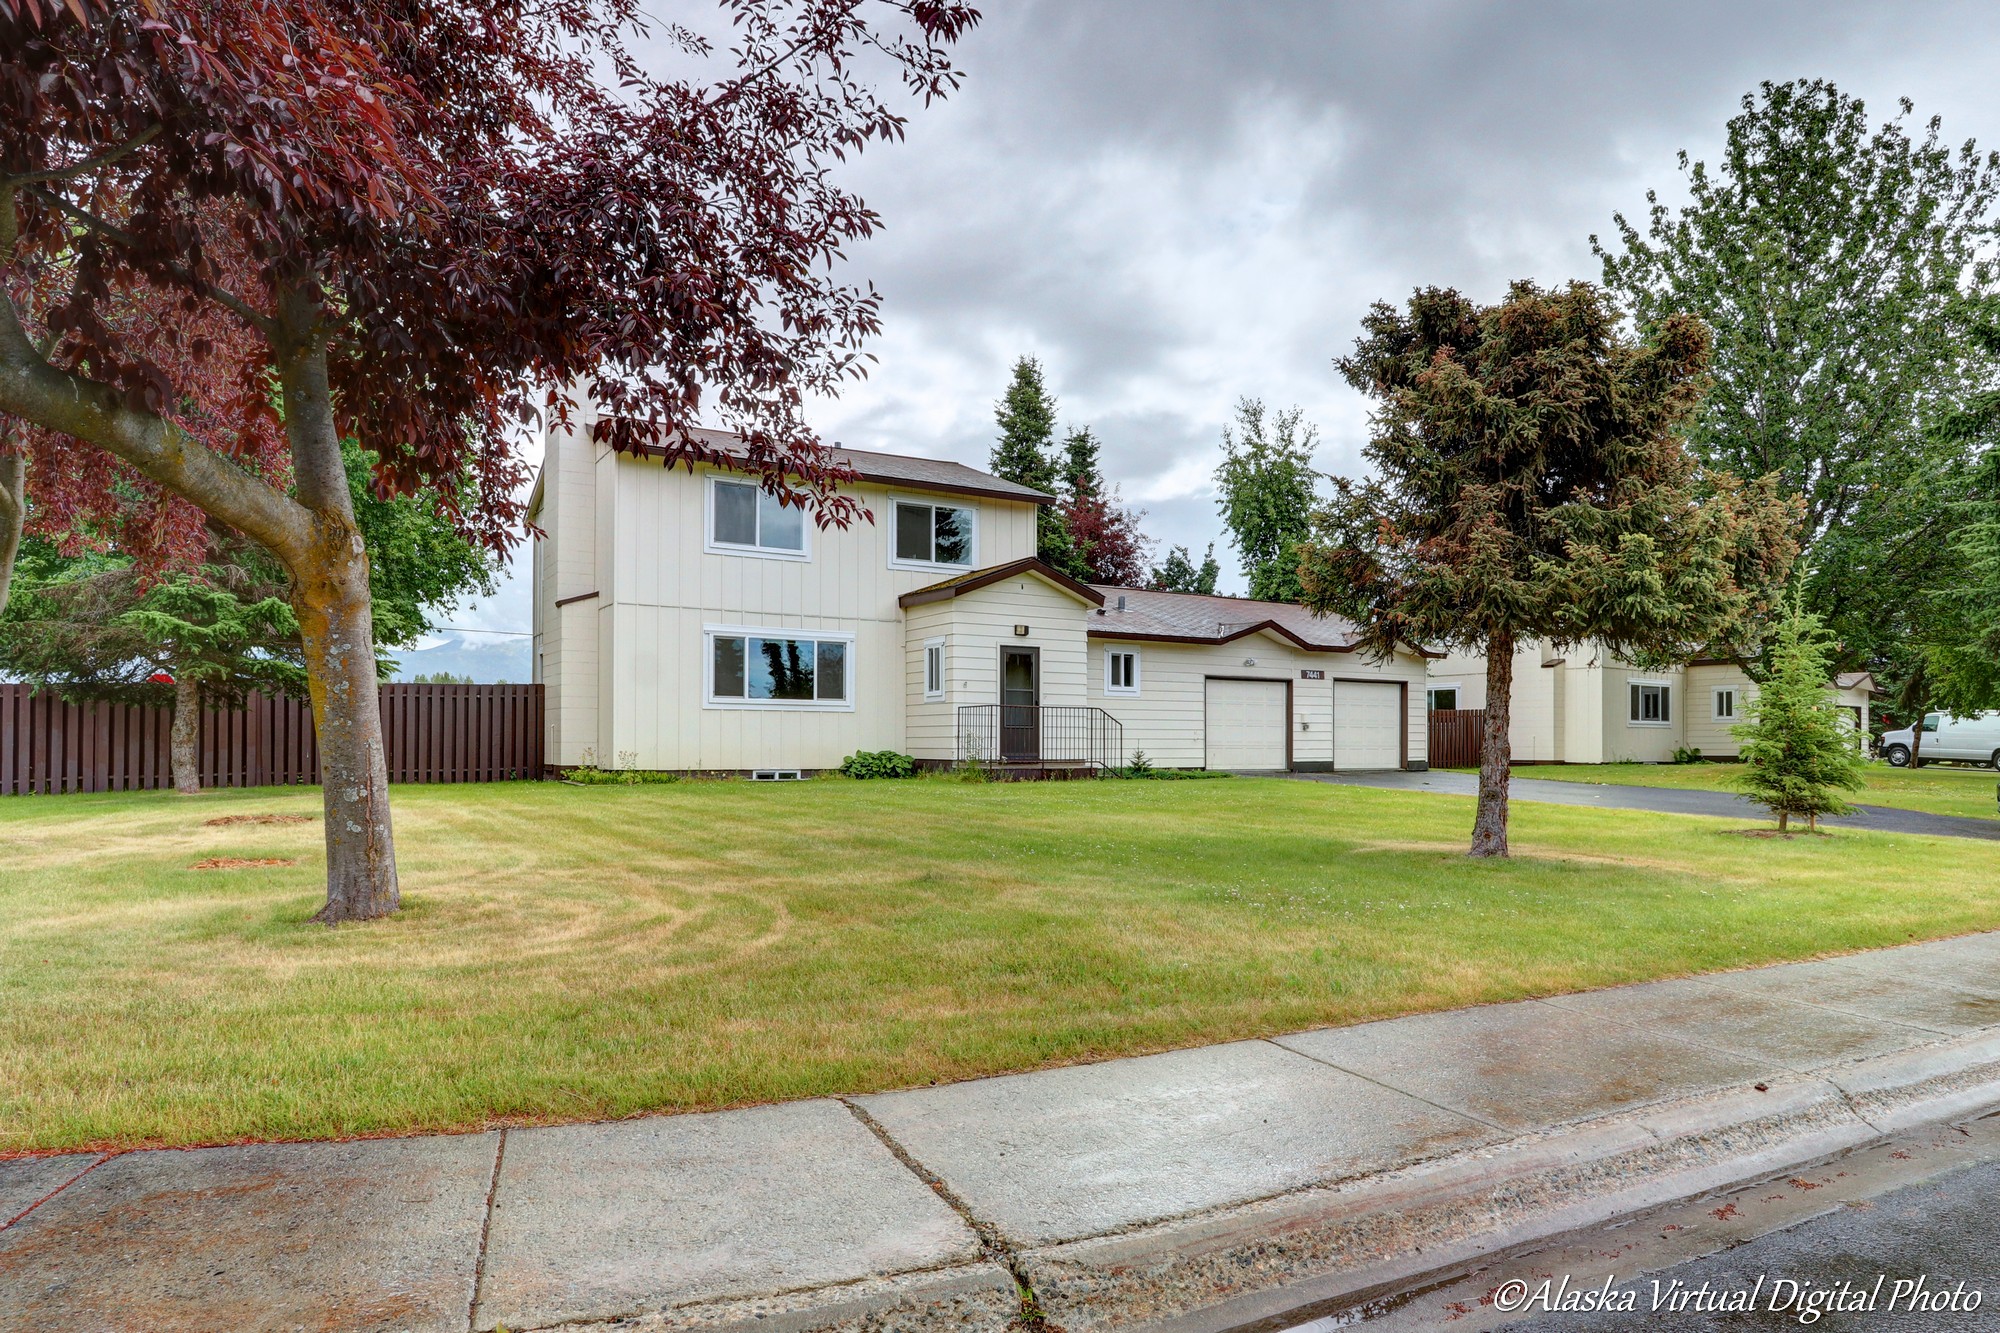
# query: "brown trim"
{"type": "Point", "coordinates": [965, 583]}
{"type": "Point", "coordinates": [1291, 713]}
{"type": "Point", "coordinates": [580, 597]}
{"type": "Point", "coordinates": [874, 478]}
{"type": "Point", "coordinates": [1272, 625]}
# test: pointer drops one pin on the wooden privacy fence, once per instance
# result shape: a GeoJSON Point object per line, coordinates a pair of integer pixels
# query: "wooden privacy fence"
{"type": "Point", "coordinates": [1455, 736]}
{"type": "Point", "coordinates": [433, 733]}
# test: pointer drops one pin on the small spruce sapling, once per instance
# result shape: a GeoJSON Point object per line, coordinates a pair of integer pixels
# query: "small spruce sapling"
{"type": "Point", "coordinates": [1799, 750]}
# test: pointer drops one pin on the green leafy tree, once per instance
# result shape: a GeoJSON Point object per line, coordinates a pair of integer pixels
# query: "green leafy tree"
{"type": "Point", "coordinates": [98, 625]}
{"type": "Point", "coordinates": [1960, 665]}
{"type": "Point", "coordinates": [1844, 272]}
{"type": "Point", "coordinates": [1178, 573]}
{"type": "Point", "coordinates": [1533, 481]}
{"type": "Point", "coordinates": [1799, 748]}
{"type": "Point", "coordinates": [1267, 490]}
{"type": "Point", "coordinates": [1026, 453]}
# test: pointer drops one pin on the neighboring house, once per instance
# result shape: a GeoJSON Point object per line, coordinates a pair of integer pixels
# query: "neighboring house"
{"type": "Point", "coordinates": [683, 620]}
{"type": "Point", "coordinates": [1587, 706]}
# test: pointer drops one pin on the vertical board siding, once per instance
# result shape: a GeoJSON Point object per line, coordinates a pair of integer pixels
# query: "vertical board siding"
{"type": "Point", "coordinates": [433, 733]}
{"type": "Point", "coordinates": [1455, 737]}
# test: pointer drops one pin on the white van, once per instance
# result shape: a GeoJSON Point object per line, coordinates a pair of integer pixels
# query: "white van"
{"type": "Point", "coordinates": [1965, 740]}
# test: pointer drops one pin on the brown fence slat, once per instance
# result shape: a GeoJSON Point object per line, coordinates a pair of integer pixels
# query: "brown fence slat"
{"type": "Point", "coordinates": [433, 733]}
{"type": "Point", "coordinates": [1455, 735]}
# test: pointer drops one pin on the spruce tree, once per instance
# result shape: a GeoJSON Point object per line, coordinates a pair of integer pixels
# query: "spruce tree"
{"type": "Point", "coordinates": [1177, 573]}
{"type": "Point", "coordinates": [1025, 454]}
{"type": "Point", "coordinates": [1799, 750]}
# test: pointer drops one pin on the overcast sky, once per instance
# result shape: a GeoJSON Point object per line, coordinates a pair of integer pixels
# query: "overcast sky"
{"type": "Point", "coordinates": [1176, 203]}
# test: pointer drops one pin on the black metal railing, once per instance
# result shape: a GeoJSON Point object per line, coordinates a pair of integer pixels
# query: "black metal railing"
{"type": "Point", "coordinates": [1039, 734]}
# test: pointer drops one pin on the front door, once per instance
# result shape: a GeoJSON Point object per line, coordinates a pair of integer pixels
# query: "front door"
{"type": "Point", "coordinates": [1020, 699]}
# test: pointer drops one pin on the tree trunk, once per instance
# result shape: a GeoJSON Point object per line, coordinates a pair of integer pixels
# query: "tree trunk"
{"type": "Point", "coordinates": [186, 734]}
{"type": "Point", "coordinates": [337, 628]}
{"type": "Point", "coordinates": [1784, 820]}
{"type": "Point", "coordinates": [13, 517]}
{"type": "Point", "coordinates": [1489, 826]}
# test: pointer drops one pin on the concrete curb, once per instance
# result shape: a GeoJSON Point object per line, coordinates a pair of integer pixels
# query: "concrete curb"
{"type": "Point", "coordinates": [1267, 1263]}
{"type": "Point", "coordinates": [979, 1298]}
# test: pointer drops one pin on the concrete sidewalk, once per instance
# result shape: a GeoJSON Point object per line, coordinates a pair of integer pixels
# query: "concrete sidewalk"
{"type": "Point", "coordinates": [1201, 1189]}
{"type": "Point", "coordinates": [1662, 800]}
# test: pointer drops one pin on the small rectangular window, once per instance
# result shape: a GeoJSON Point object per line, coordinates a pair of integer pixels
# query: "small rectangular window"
{"type": "Point", "coordinates": [1121, 671]}
{"type": "Point", "coordinates": [934, 669]}
{"type": "Point", "coordinates": [756, 668]}
{"type": "Point", "coordinates": [1649, 705]}
{"type": "Point", "coordinates": [1445, 698]}
{"type": "Point", "coordinates": [1725, 705]}
{"type": "Point", "coordinates": [752, 518]}
{"type": "Point", "coordinates": [933, 534]}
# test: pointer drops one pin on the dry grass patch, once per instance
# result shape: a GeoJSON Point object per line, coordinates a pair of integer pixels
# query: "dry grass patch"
{"type": "Point", "coordinates": [570, 952]}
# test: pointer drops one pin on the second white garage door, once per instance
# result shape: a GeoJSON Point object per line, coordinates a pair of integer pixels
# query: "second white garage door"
{"type": "Point", "coordinates": [1367, 724]}
{"type": "Point", "coordinates": [1247, 724]}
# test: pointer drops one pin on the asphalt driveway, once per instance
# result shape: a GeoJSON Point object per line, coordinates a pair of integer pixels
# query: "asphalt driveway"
{"type": "Point", "coordinates": [1665, 800]}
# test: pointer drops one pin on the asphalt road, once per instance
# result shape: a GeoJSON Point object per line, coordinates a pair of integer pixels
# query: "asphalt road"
{"type": "Point", "coordinates": [1665, 800]}
{"type": "Point", "coordinates": [1943, 1231]}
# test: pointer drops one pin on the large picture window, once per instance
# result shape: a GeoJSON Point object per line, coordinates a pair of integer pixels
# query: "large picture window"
{"type": "Point", "coordinates": [779, 670]}
{"type": "Point", "coordinates": [748, 519]}
{"type": "Point", "coordinates": [1650, 705]}
{"type": "Point", "coordinates": [929, 534]}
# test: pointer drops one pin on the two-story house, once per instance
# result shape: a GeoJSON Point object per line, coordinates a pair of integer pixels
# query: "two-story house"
{"type": "Point", "coordinates": [684, 620]}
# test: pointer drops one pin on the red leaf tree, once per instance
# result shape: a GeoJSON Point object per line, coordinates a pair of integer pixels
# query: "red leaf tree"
{"type": "Point", "coordinates": [425, 222]}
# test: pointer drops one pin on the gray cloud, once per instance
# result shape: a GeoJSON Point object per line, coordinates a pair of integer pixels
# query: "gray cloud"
{"type": "Point", "coordinates": [1177, 202]}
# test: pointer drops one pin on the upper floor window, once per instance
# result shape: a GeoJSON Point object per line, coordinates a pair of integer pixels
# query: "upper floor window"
{"type": "Point", "coordinates": [928, 534]}
{"type": "Point", "coordinates": [1725, 705]}
{"type": "Point", "coordinates": [1649, 704]}
{"type": "Point", "coordinates": [1121, 671]}
{"type": "Point", "coordinates": [747, 519]}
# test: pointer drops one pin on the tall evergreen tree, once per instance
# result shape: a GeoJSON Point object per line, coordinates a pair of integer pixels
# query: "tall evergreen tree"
{"type": "Point", "coordinates": [1267, 490]}
{"type": "Point", "coordinates": [1177, 573]}
{"type": "Point", "coordinates": [1025, 453]}
{"type": "Point", "coordinates": [1844, 271]}
{"type": "Point", "coordinates": [1799, 748]}
{"type": "Point", "coordinates": [1533, 481]}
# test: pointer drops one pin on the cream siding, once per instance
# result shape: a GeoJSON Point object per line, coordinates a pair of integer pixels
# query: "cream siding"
{"type": "Point", "coordinates": [1166, 718]}
{"type": "Point", "coordinates": [1703, 730]}
{"type": "Point", "coordinates": [661, 588]}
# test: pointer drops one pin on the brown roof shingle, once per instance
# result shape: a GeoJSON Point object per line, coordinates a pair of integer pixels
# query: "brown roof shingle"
{"type": "Point", "coordinates": [1198, 618]}
{"type": "Point", "coordinates": [924, 474]}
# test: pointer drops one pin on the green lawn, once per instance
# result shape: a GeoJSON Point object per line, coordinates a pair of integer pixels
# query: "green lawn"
{"type": "Point", "coordinates": [572, 953]}
{"type": "Point", "coordinates": [1940, 790]}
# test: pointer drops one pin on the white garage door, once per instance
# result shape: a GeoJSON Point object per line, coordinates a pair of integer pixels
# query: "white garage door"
{"type": "Point", "coordinates": [1367, 725]}
{"type": "Point", "coordinates": [1247, 724]}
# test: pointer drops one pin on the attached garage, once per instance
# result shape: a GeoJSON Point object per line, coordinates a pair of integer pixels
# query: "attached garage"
{"type": "Point", "coordinates": [1248, 725]}
{"type": "Point", "coordinates": [1367, 724]}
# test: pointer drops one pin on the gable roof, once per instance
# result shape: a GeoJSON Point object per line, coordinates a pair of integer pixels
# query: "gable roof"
{"type": "Point", "coordinates": [974, 580]}
{"type": "Point", "coordinates": [1857, 680]}
{"type": "Point", "coordinates": [1189, 617]}
{"type": "Point", "coordinates": [924, 474]}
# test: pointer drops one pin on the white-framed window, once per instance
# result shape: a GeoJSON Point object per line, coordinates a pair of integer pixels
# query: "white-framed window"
{"type": "Point", "coordinates": [1121, 671]}
{"type": "Point", "coordinates": [744, 667]}
{"type": "Point", "coordinates": [1725, 704]}
{"type": "Point", "coordinates": [1442, 696]}
{"type": "Point", "coordinates": [926, 535]}
{"type": "Point", "coordinates": [746, 519]}
{"type": "Point", "coordinates": [1651, 704]}
{"type": "Point", "coordinates": [933, 668]}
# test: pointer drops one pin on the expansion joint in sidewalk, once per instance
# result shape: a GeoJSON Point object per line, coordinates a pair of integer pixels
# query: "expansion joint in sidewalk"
{"type": "Point", "coordinates": [485, 1235]}
{"type": "Point", "coordinates": [6, 1222]}
{"type": "Point", "coordinates": [1031, 1318]}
